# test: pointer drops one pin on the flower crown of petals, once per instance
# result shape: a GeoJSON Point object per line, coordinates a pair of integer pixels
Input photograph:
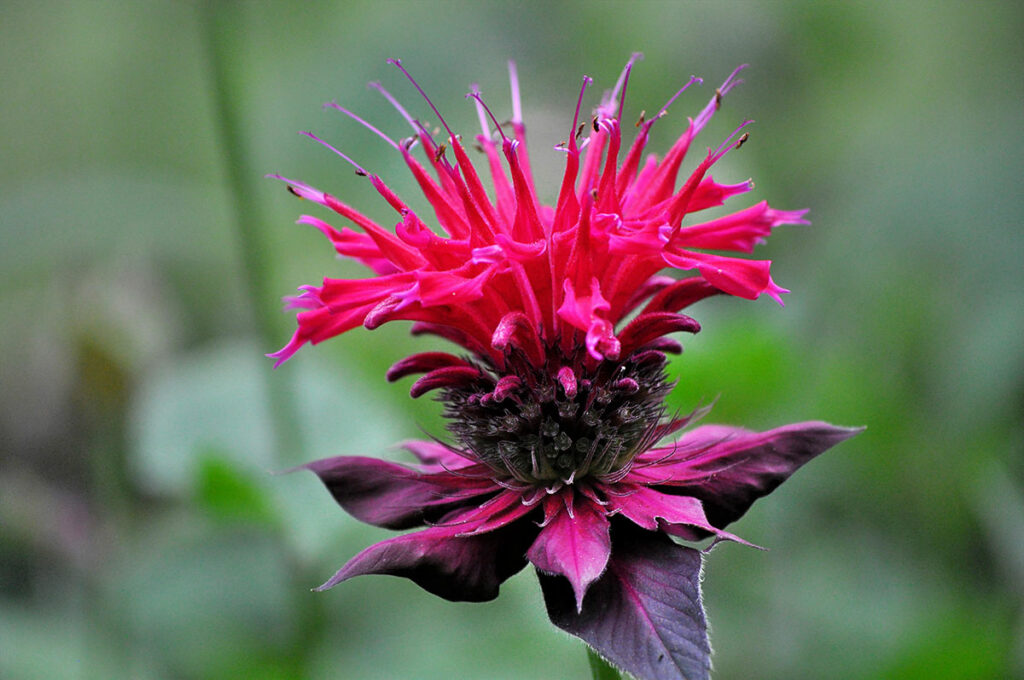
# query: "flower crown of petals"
{"type": "Point", "coordinates": [493, 266]}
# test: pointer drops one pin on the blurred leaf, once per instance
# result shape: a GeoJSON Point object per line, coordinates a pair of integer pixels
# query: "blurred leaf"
{"type": "Point", "coordinates": [59, 640]}
{"type": "Point", "coordinates": [209, 399]}
{"type": "Point", "coordinates": [746, 364]}
{"type": "Point", "coordinates": [198, 598]}
{"type": "Point", "coordinates": [957, 648]}
{"type": "Point", "coordinates": [230, 494]}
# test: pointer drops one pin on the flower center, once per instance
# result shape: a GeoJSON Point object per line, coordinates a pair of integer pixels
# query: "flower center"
{"type": "Point", "coordinates": [539, 431]}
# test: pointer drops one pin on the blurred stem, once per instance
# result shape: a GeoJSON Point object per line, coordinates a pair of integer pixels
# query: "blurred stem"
{"type": "Point", "coordinates": [220, 28]}
{"type": "Point", "coordinates": [601, 669]}
{"type": "Point", "coordinates": [220, 31]}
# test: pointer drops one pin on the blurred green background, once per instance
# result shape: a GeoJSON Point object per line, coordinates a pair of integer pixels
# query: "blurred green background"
{"type": "Point", "coordinates": [142, 534]}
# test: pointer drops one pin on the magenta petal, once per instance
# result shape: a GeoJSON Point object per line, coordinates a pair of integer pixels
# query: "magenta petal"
{"type": "Point", "coordinates": [680, 295]}
{"type": "Point", "coordinates": [652, 510]}
{"type": "Point", "coordinates": [644, 614]}
{"type": "Point", "coordinates": [576, 546]}
{"type": "Point", "coordinates": [436, 455]}
{"type": "Point", "coordinates": [385, 494]}
{"type": "Point", "coordinates": [440, 378]}
{"type": "Point", "coordinates": [423, 362]}
{"type": "Point", "coordinates": [739, 466]}
{"type": "Point", "coordinates": [466, 569]}
{"type": "Point", "coordinates": [652, 325]}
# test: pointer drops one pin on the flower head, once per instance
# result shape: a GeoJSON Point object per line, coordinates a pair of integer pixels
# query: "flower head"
{"type": "Point", "coordinates": [556, 402]}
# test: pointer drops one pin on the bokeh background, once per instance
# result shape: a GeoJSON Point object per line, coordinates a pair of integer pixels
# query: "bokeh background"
{"type": "Point", "coordinates": [142, 532]}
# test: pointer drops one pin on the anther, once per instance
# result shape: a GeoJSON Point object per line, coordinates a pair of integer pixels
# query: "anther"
{"type": "Point", "coordinates": [640, 121]}
{"type": "Point", "coordinates": [742, 140]}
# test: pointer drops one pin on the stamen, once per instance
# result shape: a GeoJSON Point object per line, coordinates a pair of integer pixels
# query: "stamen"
{"type": "Point", "coordinates": [371, 128]}
{"type": "Point", "coordinates": [480, 114]}
{"type": "Point", "coordinates": [576, 125]}
{"type": "Point", "coordinates": [417, 128]}
{"type": "Point", "coordinates": [398, 63]}
{"type": "Point", "coordinates": [664, 109]}
{"type": "Point", "coordinates": [608, 108]}
{"type": "Point", "coordinates": [728, 145]}
{"type": "Point", "coordinates": [625, 82]}
{"type": "Point", "coordinates": [359, 168]}
{"type": "Point", "coordinates": [480, 102]}
{"type": "Point", "coordinates": [513, 79]}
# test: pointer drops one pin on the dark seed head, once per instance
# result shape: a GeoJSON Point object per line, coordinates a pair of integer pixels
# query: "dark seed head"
{"type": "Point", "coordinates": [539, 434]}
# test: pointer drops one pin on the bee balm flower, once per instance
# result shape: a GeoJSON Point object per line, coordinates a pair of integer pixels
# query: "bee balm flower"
{"type": "Point", "coordinates": [555, 398]}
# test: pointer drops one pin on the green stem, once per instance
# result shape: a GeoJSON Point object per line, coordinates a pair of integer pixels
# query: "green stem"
{"type": "Point", "coordinates": [219, 34]}
{"type": "Point", "coordinates": [601, 669]}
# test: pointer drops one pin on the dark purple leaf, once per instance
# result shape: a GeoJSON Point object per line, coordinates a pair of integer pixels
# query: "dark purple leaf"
{"type": "Point", "coordinates": [644, 614]}
{"type": "Point", "coordinates": [460, 569]}
{"type": "Point", "coordinates": [744, 466]}
{"type": "Point", "coordinates": [389, 495]}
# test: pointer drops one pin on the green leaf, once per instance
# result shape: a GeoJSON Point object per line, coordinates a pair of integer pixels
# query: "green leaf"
{"type": "Point", "coordinates": [229, 493]}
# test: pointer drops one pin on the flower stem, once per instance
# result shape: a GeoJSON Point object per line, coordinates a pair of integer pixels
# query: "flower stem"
{"type": "Point", "coordinates": [220, 37]}
{"type": "Point", "coordinates": [601, 669]}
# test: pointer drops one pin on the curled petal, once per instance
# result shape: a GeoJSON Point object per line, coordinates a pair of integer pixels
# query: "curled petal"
{"type": "Point", "coordinates": [742, 278]}
{"type": "Point", "coordinates": [650, 326]}
{"type": "Point", "coordinates": [423, 363]}
{"type": "Point", "coordinates": [450, 376]}
{"type": "Point", "coordinates": [515, 329]}
{"type": "Point", "coordinates": [680, 295]}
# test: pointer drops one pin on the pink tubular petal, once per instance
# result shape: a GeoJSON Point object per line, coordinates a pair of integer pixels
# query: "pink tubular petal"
{"type": "Point", "coordinates": [742, 278]}
{"type": "Point", "coordinates": [652, 325]}
{"type": "Point", "coordinates": [505, 386]}
{"type": "Point", "coordinates": [710, 194]}
{"type": "Point", "coordinates": [515, 329]}
{"type": "Point", "coordinates": [576, 547]}
{"type": "Point", "coordinates": [440, 378]}
{"type": "Point", "coordinates": [740, 231]}
{"type": "Point", "coordinates": [422, 363]}
{"type": "Point", "coordinates": [349, 243]}
{"type": "Point", "coordinates": [588, 313]}
{"type": "Point", "coordinates": [680, 295]}
{"type": "Point", "coordinates": [567, 379]}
